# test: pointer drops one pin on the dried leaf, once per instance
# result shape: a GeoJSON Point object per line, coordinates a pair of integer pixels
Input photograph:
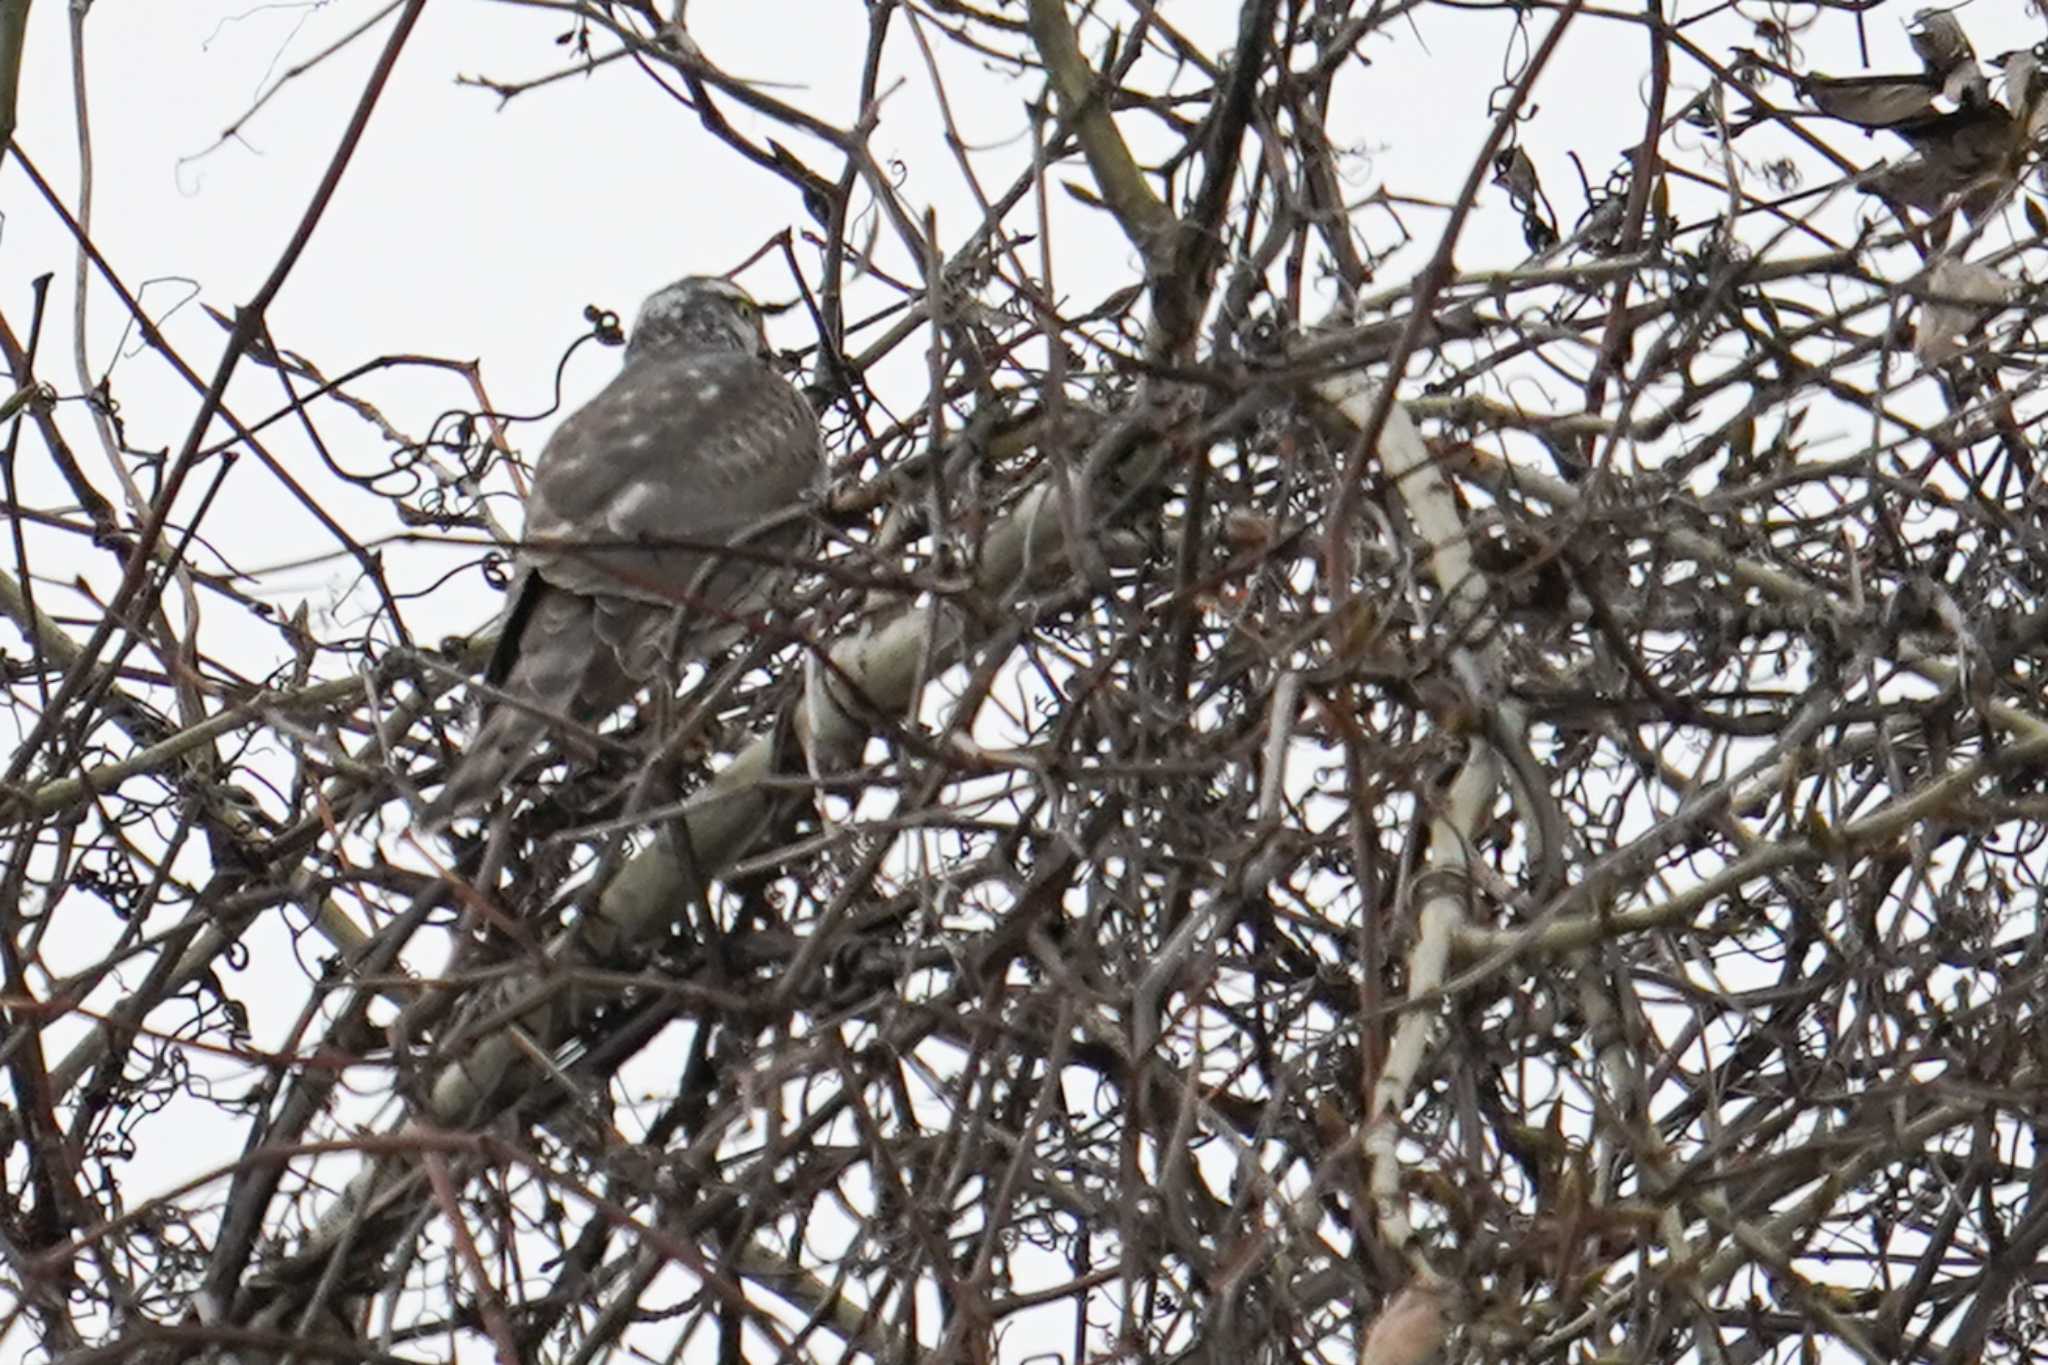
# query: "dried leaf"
{"type": "Point", "coordinates": [1410, 1329]}
{"type": "Point", "coordinates": [1914, 182]}
{"type": "Point", "coordinates": [1084, 194]}
{"type": "Point", "coordinates": [2023, 90]}
{"type": "Point", "coordinates": [1873, 101]}
{"type": "Point", "coordinates": [1514, 172]}
{"type": "Point", "coordinates": [1973, 143]}
{"type": "Point", "coordinates": [1954, 292]}
{"type": "Point", "coordinates": [1941, 42]}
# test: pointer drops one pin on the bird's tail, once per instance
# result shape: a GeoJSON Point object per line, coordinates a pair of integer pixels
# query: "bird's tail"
{"type": "Point", "coordinates": [508, 736]}
{"type": "Point", "coordinates": [561, 672]}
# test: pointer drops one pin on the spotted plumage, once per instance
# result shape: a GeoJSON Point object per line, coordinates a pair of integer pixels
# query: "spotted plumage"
{"type": "Point", "coordinates": [696, 446]}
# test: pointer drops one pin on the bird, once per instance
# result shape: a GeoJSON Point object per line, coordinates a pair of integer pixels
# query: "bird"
{"type": "Point", "coordinates": [697, 446]}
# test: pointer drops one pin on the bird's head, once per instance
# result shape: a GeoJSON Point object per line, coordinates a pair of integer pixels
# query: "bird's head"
{"type": "Point", "coordinates": [701, 313]}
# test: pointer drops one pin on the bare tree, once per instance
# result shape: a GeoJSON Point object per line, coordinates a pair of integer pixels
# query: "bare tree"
{"type": "Point", "coordinates": [1306, 811]}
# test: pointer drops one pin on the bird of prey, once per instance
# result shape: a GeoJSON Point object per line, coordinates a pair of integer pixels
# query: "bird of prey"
{"type": "Point", "coordinates": [698, 446]}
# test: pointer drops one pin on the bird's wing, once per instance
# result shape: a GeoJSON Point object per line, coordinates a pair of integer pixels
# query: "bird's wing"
{"type": "Point", "coordinates": [676, 457]}
{"type": "Point", "coordinates": [555, 667]}
{"type": "Point", "coordinates": [636, 493]}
